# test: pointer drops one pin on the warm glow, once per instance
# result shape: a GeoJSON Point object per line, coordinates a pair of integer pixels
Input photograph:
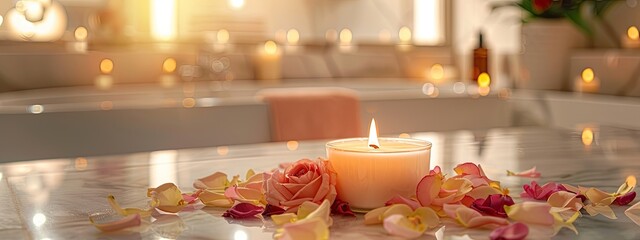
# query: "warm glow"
{"type": "Point", "coordinates": [428, 23]}
{"type": "Point", "coordinates": [331, 35]}
{"type": "Point", "coordinates": [222, 36]}
{"type": "Point", "coordinates": [163, 19]}
{"type": "Point", "coordinates": [484, 91]}
{"type": "Point", "coordinates": [81, 33]}
{"type": "Point", "coordinates": [236, 4]}
{"type": "Point", "coordinates": [404, 135]}
{"type": "Point", "coordinates": [39, 219]}
{"type": "Point", "coordinates": [169, 65]}
{"type": "Point", "coordinates": [587, 136]}
{"type": "Point", "coordinates": [293, 36]}
{"type": "Point", "coordinates": [633, 33]}
{"type": "Point", "coordinates": [33, 10]}
{"type": "Point", "coordinates": [81, 163]}
{"type": "Point", "coordinates": [36, 109]}
{"type": "Point", "coordinates": [162, 167]}
{"type": "Point", "coordinates": [384, 36]}
{"type": "Point", "coordinates": [587, 75]}
{"type": "Point", "coordinates": [1, 20]}
{"type": "Point", "coordinates": [270, 47]}
{"type": "Point", "coordinates": [104, 82]}
{"type": "Point", "coordinates": [459, 87]}
{"type": "Point", "coordinates": [222, 150]}
{"type": "Point", "coordinates": [188, 102]}
{"type": "Point", "coordinates": [437, 72]}
{"type": "Point", "coordinates": [106, 105]}
{"type": "Point", "coordinates": [373, 135]}
{"type": "Point", "coordinates": [484, 80]}
{"type": "Point", "coordinates": [292, 145]}
{"type": "Point", "coordinates": [346, 36]}
{"type": "Point", "coordinates": [404, 34]}
{"type": "Point", "coordinates": [106, 66]}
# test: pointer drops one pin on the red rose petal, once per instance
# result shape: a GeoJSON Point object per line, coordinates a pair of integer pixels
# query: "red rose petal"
{"type": "Point", "coordinates": [625, 199]}
{"type": "Point", "coordinates": [243, 210]}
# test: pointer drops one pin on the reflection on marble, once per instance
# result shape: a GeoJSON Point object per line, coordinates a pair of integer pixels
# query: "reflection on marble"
{"type": "Point", "coordinates": [52, 199]}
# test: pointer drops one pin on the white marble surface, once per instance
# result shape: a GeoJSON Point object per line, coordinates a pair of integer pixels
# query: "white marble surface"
{"type": "Point", "coordinates": [51, 199]}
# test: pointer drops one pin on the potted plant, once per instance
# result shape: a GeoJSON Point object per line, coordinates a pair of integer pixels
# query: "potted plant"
{"type": "Point", "coordinates": [550, 30]}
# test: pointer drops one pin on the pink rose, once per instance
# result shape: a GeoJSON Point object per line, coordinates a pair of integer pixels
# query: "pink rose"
{"type": "Point", "coordinates": [304, 180]}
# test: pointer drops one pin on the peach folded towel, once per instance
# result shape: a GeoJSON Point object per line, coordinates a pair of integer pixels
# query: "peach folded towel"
{"type": "Point", "coordinates": [312, 113]}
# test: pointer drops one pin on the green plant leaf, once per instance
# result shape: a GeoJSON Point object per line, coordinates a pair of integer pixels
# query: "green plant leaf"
{"type": "Point", "coordinates": [599, 7]}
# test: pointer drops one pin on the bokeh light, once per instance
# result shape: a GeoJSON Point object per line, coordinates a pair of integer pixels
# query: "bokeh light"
{"type": "Point", "coordinates": [106, 66]}
{"type": "Point", "coordinates": [345, 36]}
{"type": "Point", "coordinates": [484, 80]}
{"type": "Point", "coordinates": [633, 33]}
{"type": "Point", "coordinates": [293, 36]}
{"type": "Point", "coordinates": [169, 65]}
{"type": "Point", "coordinates": [587, 75]}
{"type": "Point", "coordinates": [81, 33]}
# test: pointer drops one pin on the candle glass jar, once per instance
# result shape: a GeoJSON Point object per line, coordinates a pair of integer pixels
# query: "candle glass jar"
{"type": "Point", "coordinates": [369, 177]}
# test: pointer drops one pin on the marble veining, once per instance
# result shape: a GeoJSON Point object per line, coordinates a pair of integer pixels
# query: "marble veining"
{"type": "Point", "coordinates": [52, 199]}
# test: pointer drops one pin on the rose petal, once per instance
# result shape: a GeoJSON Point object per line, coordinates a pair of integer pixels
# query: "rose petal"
{"type": "Point", "coordinates": [322, 212]}
{"type": "Point", "coordinates": [427, 216]}
{"type": "Point", "coordinates": [625, 199]}
{"type": "Point", "coordinates": [467, 169]}
{"type": "Point", "coordinates": [401, 209]}
{"type": "Point", "coordinates": [126, 211]}
{"type": "Point", "coordinates": [483, 192]}
{"type": "Point", "coordinates": [215, 199]}
{"type": "Point", "coordinates": [110, 226]}
{"type": "Point", "coordinates": [530, 173]}
{"type": "Point", "coordinates": [167, 197]}
{"type": "Point", "coordinates": [531, 212]}
{"type": "Point", "coordinates": [243, 210]}
{"type": "Point", "coordinates": [628, 186]}
{"type": "Point", "coordinates": [515, 231]}
{"type": "Point", "coordinates": [605, 210]}
{"type": "Point", "coordinates": [562, 199]}
{"type": "Point", "coordinates": [470, 218]}
{"type": "Point", "coordinates": [597, 196]}
{"type": "Point", "coordinates": [314, 229]}
{"type": "Point", "coordinates": [281, 219]}
{"type": "Point", "coordinates": [217, 180]}
{"type": "Point", "coordinates": [402, 200]}
{"type": "Point", "coordinates": [341, 208]}
{"type": "Point", "coordinates": [272, 210]}
{"type": "Point", "coordinates": [399, 225]}
{"type": "Point", "coordinates": [375, 216]}
{"type": "Point", "coordinates": [428, 188]}
{"type": "Point", "coordinates": [633, 213]}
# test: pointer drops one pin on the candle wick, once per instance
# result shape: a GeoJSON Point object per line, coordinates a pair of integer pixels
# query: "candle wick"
{"type": "Point", "coordinates": [374, 146]}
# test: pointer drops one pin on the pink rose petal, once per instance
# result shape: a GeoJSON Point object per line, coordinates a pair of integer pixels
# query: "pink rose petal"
{"type": "Point", "coordinates": [530, 173]}
{"type": "Point", "coordinates": [243, 210]}
{"type": "Point", "coordinates": [400, 226]}
{"type": "Point", "coordinates": [531, 212]}
{"type": "Point", "coordinates": [515, 231]}
{"type": "Point", "coordinates": [428, 188]}
{"type": "Point", "coordinates": [543, 192]}
{"type": "Point", "coordinates": [402, 200]}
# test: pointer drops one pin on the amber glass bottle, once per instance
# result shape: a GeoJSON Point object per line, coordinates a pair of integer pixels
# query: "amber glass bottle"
{"type": "Point", "coordinates": [480, 60]}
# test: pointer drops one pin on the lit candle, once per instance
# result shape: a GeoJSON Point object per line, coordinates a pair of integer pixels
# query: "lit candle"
{"type": "Point", "coordinates": [404, 35]}
{"type": "Point", "coordinates": [293, 37]}
{"type": "Point", "coordinates": [587, 82]}
{"type": "Point", "coordinates": [346, 37]}
{"type": "Point", "coordinates": [632, 38]}
{"type": "Point", "coordinates": [268, 62]}
{"type": "Point", "coordinates": [80, 44]}
{"type": "Point", "coordinates": [372, 171]}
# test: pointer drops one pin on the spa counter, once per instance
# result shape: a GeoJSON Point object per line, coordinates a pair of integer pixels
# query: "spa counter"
{"type": "Point", "coordinates": [51, 199]}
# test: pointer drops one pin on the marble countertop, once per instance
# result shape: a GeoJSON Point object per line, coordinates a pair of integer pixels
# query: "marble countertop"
{"type": "Point", "coordinates": [51, 199]}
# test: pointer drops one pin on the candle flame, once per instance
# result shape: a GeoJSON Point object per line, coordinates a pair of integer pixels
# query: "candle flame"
{"type": "Point", "coordinates": [587, 136]}
{"type": "Point", "coordinates": [270, 47]}
{"type": "Point", "coordinates": [373, 135]}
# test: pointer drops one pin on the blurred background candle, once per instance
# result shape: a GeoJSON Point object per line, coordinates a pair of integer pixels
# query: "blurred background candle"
{"type": "Point", "coordinates": [268, 62]}
{"type": "Point", "coordinates": [587, 82]}
{"type": "Point", "coordinates": [632, 39]}
{"type": "Point", "coordinates": [373, 170]}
